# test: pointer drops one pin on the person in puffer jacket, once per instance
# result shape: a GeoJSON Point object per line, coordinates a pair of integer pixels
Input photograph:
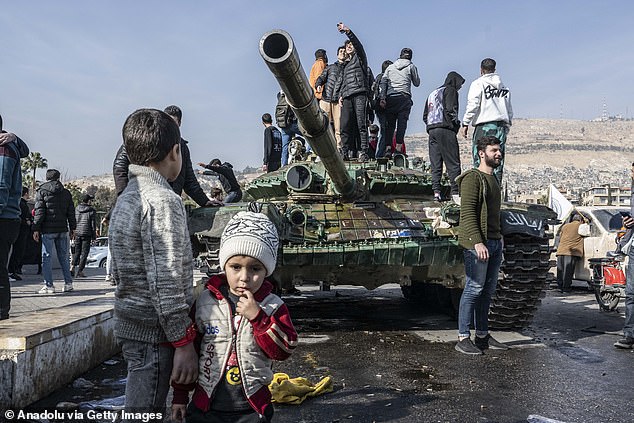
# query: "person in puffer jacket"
{"type": "Point", "coordinates": [242, 327]}
{"type": "Point", "coordinates": [329, 102]}
{"type": "Point", "coordinates": [489, 110]}
{"type": "Point", "coordinates": [353, 98]}
{"type": "Point", "coordinates": [85, 233]}
{"type": "Point", "coordinates": [54, 219]}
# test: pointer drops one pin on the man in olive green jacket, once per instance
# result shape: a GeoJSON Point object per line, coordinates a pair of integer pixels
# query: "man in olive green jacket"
{"type": "Point", "coordinates": [480, 236]}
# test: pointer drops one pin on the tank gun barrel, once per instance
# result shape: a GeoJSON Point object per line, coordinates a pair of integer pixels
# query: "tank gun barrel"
{"type": "Point", "coordinates": [278, 51]}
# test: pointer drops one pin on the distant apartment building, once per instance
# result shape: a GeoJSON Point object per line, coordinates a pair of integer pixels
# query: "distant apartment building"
{"type": "Point", "coordinates": [607, 195]}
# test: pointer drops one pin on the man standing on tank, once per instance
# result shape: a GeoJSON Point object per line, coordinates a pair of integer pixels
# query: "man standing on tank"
{"type": "Point", "coordinates": [489, 110]}
{"type": "Point", "coordinates": [186, 180]}
{"type": "Point", "coordinates": [480, 236]}
{"type": "Point", "coordinates": [353, 99]}
{"type": "Point", "coordinates": [441, 118]}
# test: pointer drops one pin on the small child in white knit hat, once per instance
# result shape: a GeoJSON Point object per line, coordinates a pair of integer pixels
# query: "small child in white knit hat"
{"type": "Point", "coordinates": [242, 327]}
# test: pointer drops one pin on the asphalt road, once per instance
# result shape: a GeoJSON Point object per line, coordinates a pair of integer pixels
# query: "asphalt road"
{"type": "Point", "coordinates": [392, 361]}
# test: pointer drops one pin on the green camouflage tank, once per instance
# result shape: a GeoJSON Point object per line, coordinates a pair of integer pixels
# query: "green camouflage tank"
{"type": "Point", "coordinates": [374, 223]}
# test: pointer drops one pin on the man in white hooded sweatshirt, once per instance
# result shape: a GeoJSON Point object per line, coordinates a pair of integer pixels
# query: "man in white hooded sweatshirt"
{"type": "Point", "coordinates": [489, 111]}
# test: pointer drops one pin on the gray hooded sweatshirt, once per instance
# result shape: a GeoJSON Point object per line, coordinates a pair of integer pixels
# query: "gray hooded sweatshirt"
{"type": "Point", "coordinates": [399, 77]}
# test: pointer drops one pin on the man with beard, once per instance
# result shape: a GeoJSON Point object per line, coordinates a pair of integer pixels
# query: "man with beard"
{"type": "Point", "coordinates": [480, 236]}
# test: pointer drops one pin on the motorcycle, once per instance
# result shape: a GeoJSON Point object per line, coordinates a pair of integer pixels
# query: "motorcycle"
{"type": "Point", "coordinates": [607, 281]}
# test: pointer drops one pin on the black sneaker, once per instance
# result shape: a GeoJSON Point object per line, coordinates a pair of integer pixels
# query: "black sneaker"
{"type": "Point", "coordinates": [626, 343]}
{"type": "Point", "coordinates": [15, 276]}
{"type": "Point", "coordinates": [489, 342]}
{"type": "Point", "coordinates": [467, 347]}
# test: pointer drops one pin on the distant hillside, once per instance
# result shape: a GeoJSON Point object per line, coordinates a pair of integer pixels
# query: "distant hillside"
{"type": "Point", "coordinates": [570, 153]}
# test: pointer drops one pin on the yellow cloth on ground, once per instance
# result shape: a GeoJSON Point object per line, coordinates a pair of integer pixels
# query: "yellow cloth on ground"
{"type": "Point", "coordinates": [285, 390]}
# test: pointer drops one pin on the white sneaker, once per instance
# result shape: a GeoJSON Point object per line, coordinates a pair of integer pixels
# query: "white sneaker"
{"type": "Point", "coordinates": [67, 287]}
{"type": "Point", "coordinates": [12, 279]}
{"type": "Point", "coordinates": [108, 278]}
{"type": "Point", "coordinates": [455, 198]}
{"type": "Point", "coordinates": [46, 290]}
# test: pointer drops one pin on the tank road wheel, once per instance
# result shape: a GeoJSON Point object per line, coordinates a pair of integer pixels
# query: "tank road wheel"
{"type": "Point", "coordinates": [524, 277]}
{"type": "Point", "coordinates": [608, 300]}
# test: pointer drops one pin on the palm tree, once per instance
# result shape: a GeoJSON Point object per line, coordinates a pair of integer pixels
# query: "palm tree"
{"type": "Point", "coordinates": [34, 162]}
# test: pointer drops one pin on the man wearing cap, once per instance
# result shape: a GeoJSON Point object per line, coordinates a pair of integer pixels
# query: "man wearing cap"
{"type": "Point", "coordinates": [54, 218]}
{"type": "Point", "coordinates": [85, 233]}
{"type": "Point", "coordinates": [396, 97]}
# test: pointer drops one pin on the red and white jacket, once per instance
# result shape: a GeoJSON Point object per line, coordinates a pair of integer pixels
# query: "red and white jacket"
{"type": "Point", "coordinates": [270, 336]}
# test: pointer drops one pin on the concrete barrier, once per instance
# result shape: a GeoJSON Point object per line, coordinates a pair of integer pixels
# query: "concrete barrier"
{"type": "Point", "coordinates": [41, 352]}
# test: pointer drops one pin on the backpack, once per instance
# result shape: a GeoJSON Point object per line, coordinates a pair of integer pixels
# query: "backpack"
{"type": "Point", "coordinates": [283, 113]}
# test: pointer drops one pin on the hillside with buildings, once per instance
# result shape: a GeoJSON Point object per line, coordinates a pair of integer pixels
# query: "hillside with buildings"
{"type": "Point", "coordinates": [581, 158]}
{"type": "Point", "coordinates": [576, 156]}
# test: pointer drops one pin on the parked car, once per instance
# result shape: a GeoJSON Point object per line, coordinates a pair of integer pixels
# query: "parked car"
{"type": "Point", "coordinates": [98, 255]}
{"type": "Point", "coordinates": [605, 222]}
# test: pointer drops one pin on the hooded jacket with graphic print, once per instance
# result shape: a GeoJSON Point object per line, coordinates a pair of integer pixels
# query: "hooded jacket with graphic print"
{"type": "Point", "coordinates": [441, 108]}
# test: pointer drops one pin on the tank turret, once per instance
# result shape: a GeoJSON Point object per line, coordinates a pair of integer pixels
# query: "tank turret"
{"type": "Point", "coordinates": [279, 53]}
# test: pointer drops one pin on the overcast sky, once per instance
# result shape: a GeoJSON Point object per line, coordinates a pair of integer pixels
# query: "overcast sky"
{"type": "Point", "coordinates": [71, 71]}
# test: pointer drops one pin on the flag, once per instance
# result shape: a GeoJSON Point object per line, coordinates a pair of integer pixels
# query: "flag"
{"type": "Point", "coordinates": [559, 203]}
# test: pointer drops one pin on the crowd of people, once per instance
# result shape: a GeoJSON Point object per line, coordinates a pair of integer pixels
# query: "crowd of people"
{"type": "Point", "coordinates": [220, 345]}
{"type": "Point", "coordinates": [352, 99]}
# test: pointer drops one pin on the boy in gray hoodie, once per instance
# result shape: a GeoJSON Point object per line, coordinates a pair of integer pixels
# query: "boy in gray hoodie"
{"type": "Point", "coordinates": [396, 96]}
{"type": "Point", "coordinates": [152, 263]}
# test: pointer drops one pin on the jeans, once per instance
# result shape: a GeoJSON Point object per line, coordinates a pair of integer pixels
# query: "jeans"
{"type": "Point", "coordinates": [233, 197]}
{"type": "Point", "coordinates": [498, 130]}
{"type": "Point", "coordinates": [354, 123]}
{"type": "Point", "coordinates": [149, 371]}
{"type": "Point", "coordinates": [82, 248]}
{"type": "Point", "coordinates": [628, 328]}
{"type": "Point", "coordinates": [9, 229]}
{"type": "Point", "coordinates": [482, 279]}
{"type": "Point", "coordinates": [61, 243]}
{"type": "Point", "coordinates": [287, 134]}
{"type": "Point", "coordinates": [194, 415]}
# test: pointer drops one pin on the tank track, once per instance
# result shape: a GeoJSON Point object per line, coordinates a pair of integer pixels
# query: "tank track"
{"type": "Point", "coordinates": [524, 278]}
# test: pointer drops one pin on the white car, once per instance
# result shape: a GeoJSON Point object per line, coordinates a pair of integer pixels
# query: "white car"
{"type": "Point", "coordinates": [98, 255]}
{"type": "Point", "coordinates": [605, 222]}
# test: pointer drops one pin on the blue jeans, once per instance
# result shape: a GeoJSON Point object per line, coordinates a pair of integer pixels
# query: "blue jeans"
{"type": "Point", "coordinates": [628, 328]}
{"type": "Point", "coordinates": [482, 279]}
{"type": "Point", "coordinates": [149, 371]}
{"type": "Point", "coordinates": [287, 134]}
{"type": "Point", "coordinates": [61, 243]}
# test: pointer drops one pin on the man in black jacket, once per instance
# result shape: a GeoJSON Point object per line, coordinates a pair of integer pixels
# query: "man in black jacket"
{"type": "Point", "coordinates": [186, 180]}
{"type": "Point", "coordinates": [54, 218]}
{"type": "Point", "coordinates": [85, 233]}
{"type": "Point", "coordinates": [329, 102]}
{"type": "Point", "coordinates": [441, 118]}
{"type": "Point", "coordinates": [353, 97]}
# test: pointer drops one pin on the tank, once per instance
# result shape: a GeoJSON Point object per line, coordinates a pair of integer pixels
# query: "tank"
{"type": "Point", "coordinates": [374, 223]}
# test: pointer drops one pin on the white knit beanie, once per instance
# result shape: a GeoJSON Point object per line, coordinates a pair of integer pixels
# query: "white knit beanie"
{"type": "Point", "coordinates": [250, 234]}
